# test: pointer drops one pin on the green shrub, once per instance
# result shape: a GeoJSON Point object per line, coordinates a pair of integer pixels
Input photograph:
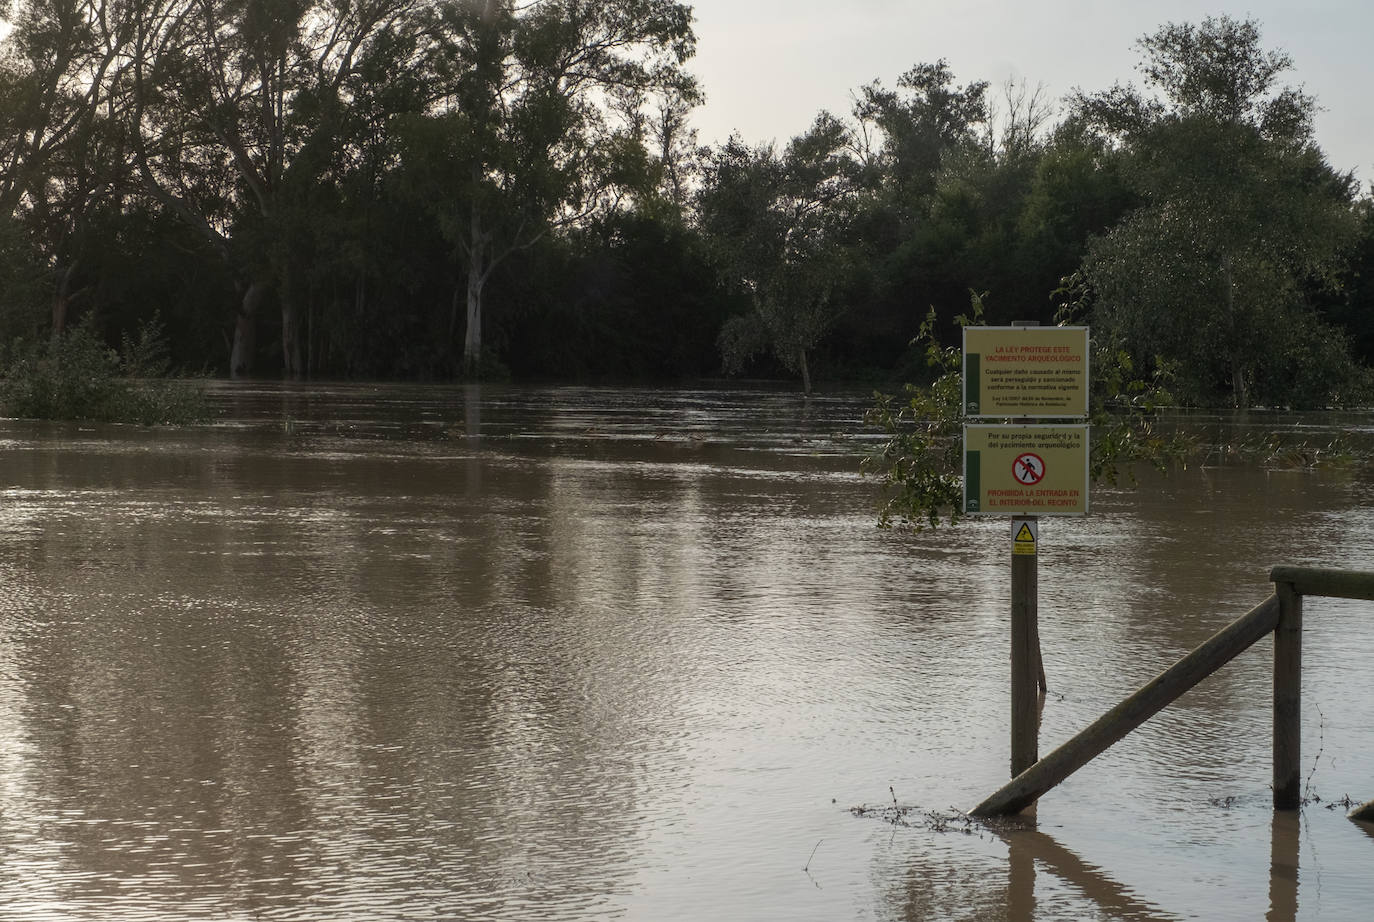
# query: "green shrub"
{"type": "Point", "coordinates": [75, 376]}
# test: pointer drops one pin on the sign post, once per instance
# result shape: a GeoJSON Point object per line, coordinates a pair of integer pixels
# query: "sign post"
{"type": "Point", "coordinates": [1025, 470]}
{"type": "Point", "coordinates": [1025, 648]}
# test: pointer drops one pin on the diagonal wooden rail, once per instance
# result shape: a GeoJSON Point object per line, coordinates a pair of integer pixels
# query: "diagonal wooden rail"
{"type": "Point", "coordinates": [1280, 614]}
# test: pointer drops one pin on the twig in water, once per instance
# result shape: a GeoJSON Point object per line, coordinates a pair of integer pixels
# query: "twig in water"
{"type": "Point", "coordinates": [1345, 803]}
{"type": "Point", "coordinates": [807, 868]}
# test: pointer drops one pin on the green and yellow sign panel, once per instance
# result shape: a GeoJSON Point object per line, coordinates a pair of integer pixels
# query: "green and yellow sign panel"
{"type": "Point", "coordinates": [1025, 470]}
{"type": "Point", "coordinates": [1026, 371]}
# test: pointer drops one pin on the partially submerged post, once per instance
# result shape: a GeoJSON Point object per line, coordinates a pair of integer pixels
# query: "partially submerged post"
{"type": "Point", "coordinates": [1280, 614]}
{"type": "Point", "coordinates": [1290, 585]}
{"type": "Point", "coordinates": [1288, 699]}
{"type": "Point", "coordinates": [1026, 470]}
{"type": "Point", "coordinates": [1221, 648]}
{"type": "Point", "coordinates": [1025, 646]}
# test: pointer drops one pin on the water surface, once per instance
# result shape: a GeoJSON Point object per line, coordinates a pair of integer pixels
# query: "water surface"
{"type": "Point", "coordinates": [574, 654]}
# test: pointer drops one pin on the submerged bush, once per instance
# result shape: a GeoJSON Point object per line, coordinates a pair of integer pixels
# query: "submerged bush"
{"type": "Point", "coordinates": [75, 376]}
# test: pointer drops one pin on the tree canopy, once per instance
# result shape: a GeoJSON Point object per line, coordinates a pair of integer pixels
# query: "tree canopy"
{"type": "Point", "coordinates": [389, 188]}
{"type": "Point", "coordinates": [1242, 220]}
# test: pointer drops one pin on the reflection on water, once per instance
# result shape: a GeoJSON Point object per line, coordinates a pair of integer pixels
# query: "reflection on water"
{"type": "Point", "coordinates": [1283, 866]}
{"type": "Point", "coordinates": [407, 653]}
{"type": "Point", "coordinates": [1028, 847]}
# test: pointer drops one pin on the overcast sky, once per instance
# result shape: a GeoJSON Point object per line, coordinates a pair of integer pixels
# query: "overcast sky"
{"type": "Point", "coordinates": [768, 66]}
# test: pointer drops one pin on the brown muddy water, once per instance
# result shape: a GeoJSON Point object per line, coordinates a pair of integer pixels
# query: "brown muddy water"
{"type": "Point", "coordinates": [409, 653]}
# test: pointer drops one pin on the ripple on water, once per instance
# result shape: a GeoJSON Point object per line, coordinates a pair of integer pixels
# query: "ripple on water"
{"type": "Point", "coordinates": [616, 654]}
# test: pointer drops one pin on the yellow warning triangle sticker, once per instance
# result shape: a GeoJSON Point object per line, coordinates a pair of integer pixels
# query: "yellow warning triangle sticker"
{"type": "Point", "coordinates": [1024, 534]}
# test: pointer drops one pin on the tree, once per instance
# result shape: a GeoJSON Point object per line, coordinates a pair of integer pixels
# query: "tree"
{"type": "Point", "coordinates": [538, 123]}
{"type": "Point", "coordinates": [780, 229]}
{"type": "Point", "coordinates": [61, 153]}
{"type": "Point", "coordinates": [1352, 305]}
{"type": "Point", "coordinates": [915, 127]}
{"type": "Point", "coordinates": [925, 147]}
{"type": "Point", "coordinates": [21, 283]}
{"type": "Point", "coordinates": [1078, 191]}
{"type": "Point", "coordinates": [225, 97]}
{"type": "Point", "coordinates": [1240, 212]}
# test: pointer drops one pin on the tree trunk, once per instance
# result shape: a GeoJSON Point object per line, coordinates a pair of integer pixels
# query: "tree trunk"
{"type": "Point", "coordinates": [245, 332]}
{"type": "Point", "coordinates": [360, 306]}
{"type": "Point", "coordinates": [472, 340]}
{"type": "Point", "coordinates": [61, 301]}
{"type": "Point", "coordinates": [290, 339]}
{"type": "Point", "coordinates": [805, 372]}
{"type": "Point", "coordinates": [290, 321]}
{"type": "Point", "coordinates": [1239, 390]}
{"type": "Point", "coordinates": [310, 337]}
{"type": "Point", "coordinates": [456, 300]}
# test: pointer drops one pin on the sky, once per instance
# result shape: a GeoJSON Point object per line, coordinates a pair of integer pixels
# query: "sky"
{"type": "Point", "coordinates": [768, 66]}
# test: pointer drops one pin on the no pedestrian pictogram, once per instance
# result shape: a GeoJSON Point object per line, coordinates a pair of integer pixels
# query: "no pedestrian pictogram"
{"type": "Point", "coordinates": [1028, 468]}
{"type": "Point", "coordinates": [1025, 470]}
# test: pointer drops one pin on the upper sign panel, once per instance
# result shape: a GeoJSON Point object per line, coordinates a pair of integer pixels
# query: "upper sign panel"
{"type": "Point", "coordinates": [1026, 371]}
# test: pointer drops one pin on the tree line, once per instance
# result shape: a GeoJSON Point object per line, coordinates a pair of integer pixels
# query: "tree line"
{"type": "Point", "coordinates": [428, 189]}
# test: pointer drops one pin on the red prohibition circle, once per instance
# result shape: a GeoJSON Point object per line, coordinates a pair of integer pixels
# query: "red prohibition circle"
{"type": "Point", "coordinates": [1028, 468]}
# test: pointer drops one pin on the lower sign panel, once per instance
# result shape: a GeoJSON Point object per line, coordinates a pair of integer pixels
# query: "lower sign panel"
{"type": "Point", "coordinates": [1026, 470]}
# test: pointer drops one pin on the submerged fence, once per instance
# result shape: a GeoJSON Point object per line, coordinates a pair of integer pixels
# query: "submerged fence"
{"type": "Point", "coordinates": [1280, 614]}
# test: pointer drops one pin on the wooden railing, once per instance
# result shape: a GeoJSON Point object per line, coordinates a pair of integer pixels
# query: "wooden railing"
{"type": "Point", "coordinates": [1281, 615]}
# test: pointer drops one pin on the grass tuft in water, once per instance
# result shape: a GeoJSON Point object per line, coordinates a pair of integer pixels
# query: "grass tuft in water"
{"type": "Point", "coordinates": [897, 814]}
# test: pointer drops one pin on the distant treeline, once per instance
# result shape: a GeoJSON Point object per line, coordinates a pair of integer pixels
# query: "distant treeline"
{"type": "Point", "coordinates": [429, 189]}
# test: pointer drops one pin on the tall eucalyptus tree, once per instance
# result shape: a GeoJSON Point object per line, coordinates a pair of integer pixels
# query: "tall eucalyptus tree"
{"type": "Point", "coordinates": [61, 153]}
{"type": "Point", "coordinates": [227, 94]}
{"type": "Point", "coordinates": [537, 124]}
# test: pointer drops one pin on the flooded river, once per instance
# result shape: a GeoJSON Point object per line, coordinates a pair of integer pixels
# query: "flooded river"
{"type": "Point", "coordinates": [400, 653]}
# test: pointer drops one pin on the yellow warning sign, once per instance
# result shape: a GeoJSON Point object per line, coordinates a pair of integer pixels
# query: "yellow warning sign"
{"type": "Point", "coordinates": [1023, 537]}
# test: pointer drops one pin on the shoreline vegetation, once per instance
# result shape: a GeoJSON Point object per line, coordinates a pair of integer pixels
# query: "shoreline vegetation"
{"type": "Point", "coordinates": [441, 199]}
{"type": "Point", "coordinates": [76, 377]}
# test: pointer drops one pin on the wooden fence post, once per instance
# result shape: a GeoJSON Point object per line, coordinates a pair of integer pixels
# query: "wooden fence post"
{"type": "Point", "coordinates": [1222, 647]}
{"type": "Point", "coordinates": [1288, 698]}
{"type": "Point", "coordinates": [1280, 615]}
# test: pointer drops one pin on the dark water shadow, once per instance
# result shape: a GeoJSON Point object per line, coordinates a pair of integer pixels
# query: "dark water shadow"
{"type": "Point", "coordinates": [1284, 843]}
{"type": "Point", "coordinates": [1028, 846]}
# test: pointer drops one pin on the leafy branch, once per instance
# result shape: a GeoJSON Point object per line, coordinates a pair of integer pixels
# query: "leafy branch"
{"type": "Point", "coordinates": [920, 465]}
